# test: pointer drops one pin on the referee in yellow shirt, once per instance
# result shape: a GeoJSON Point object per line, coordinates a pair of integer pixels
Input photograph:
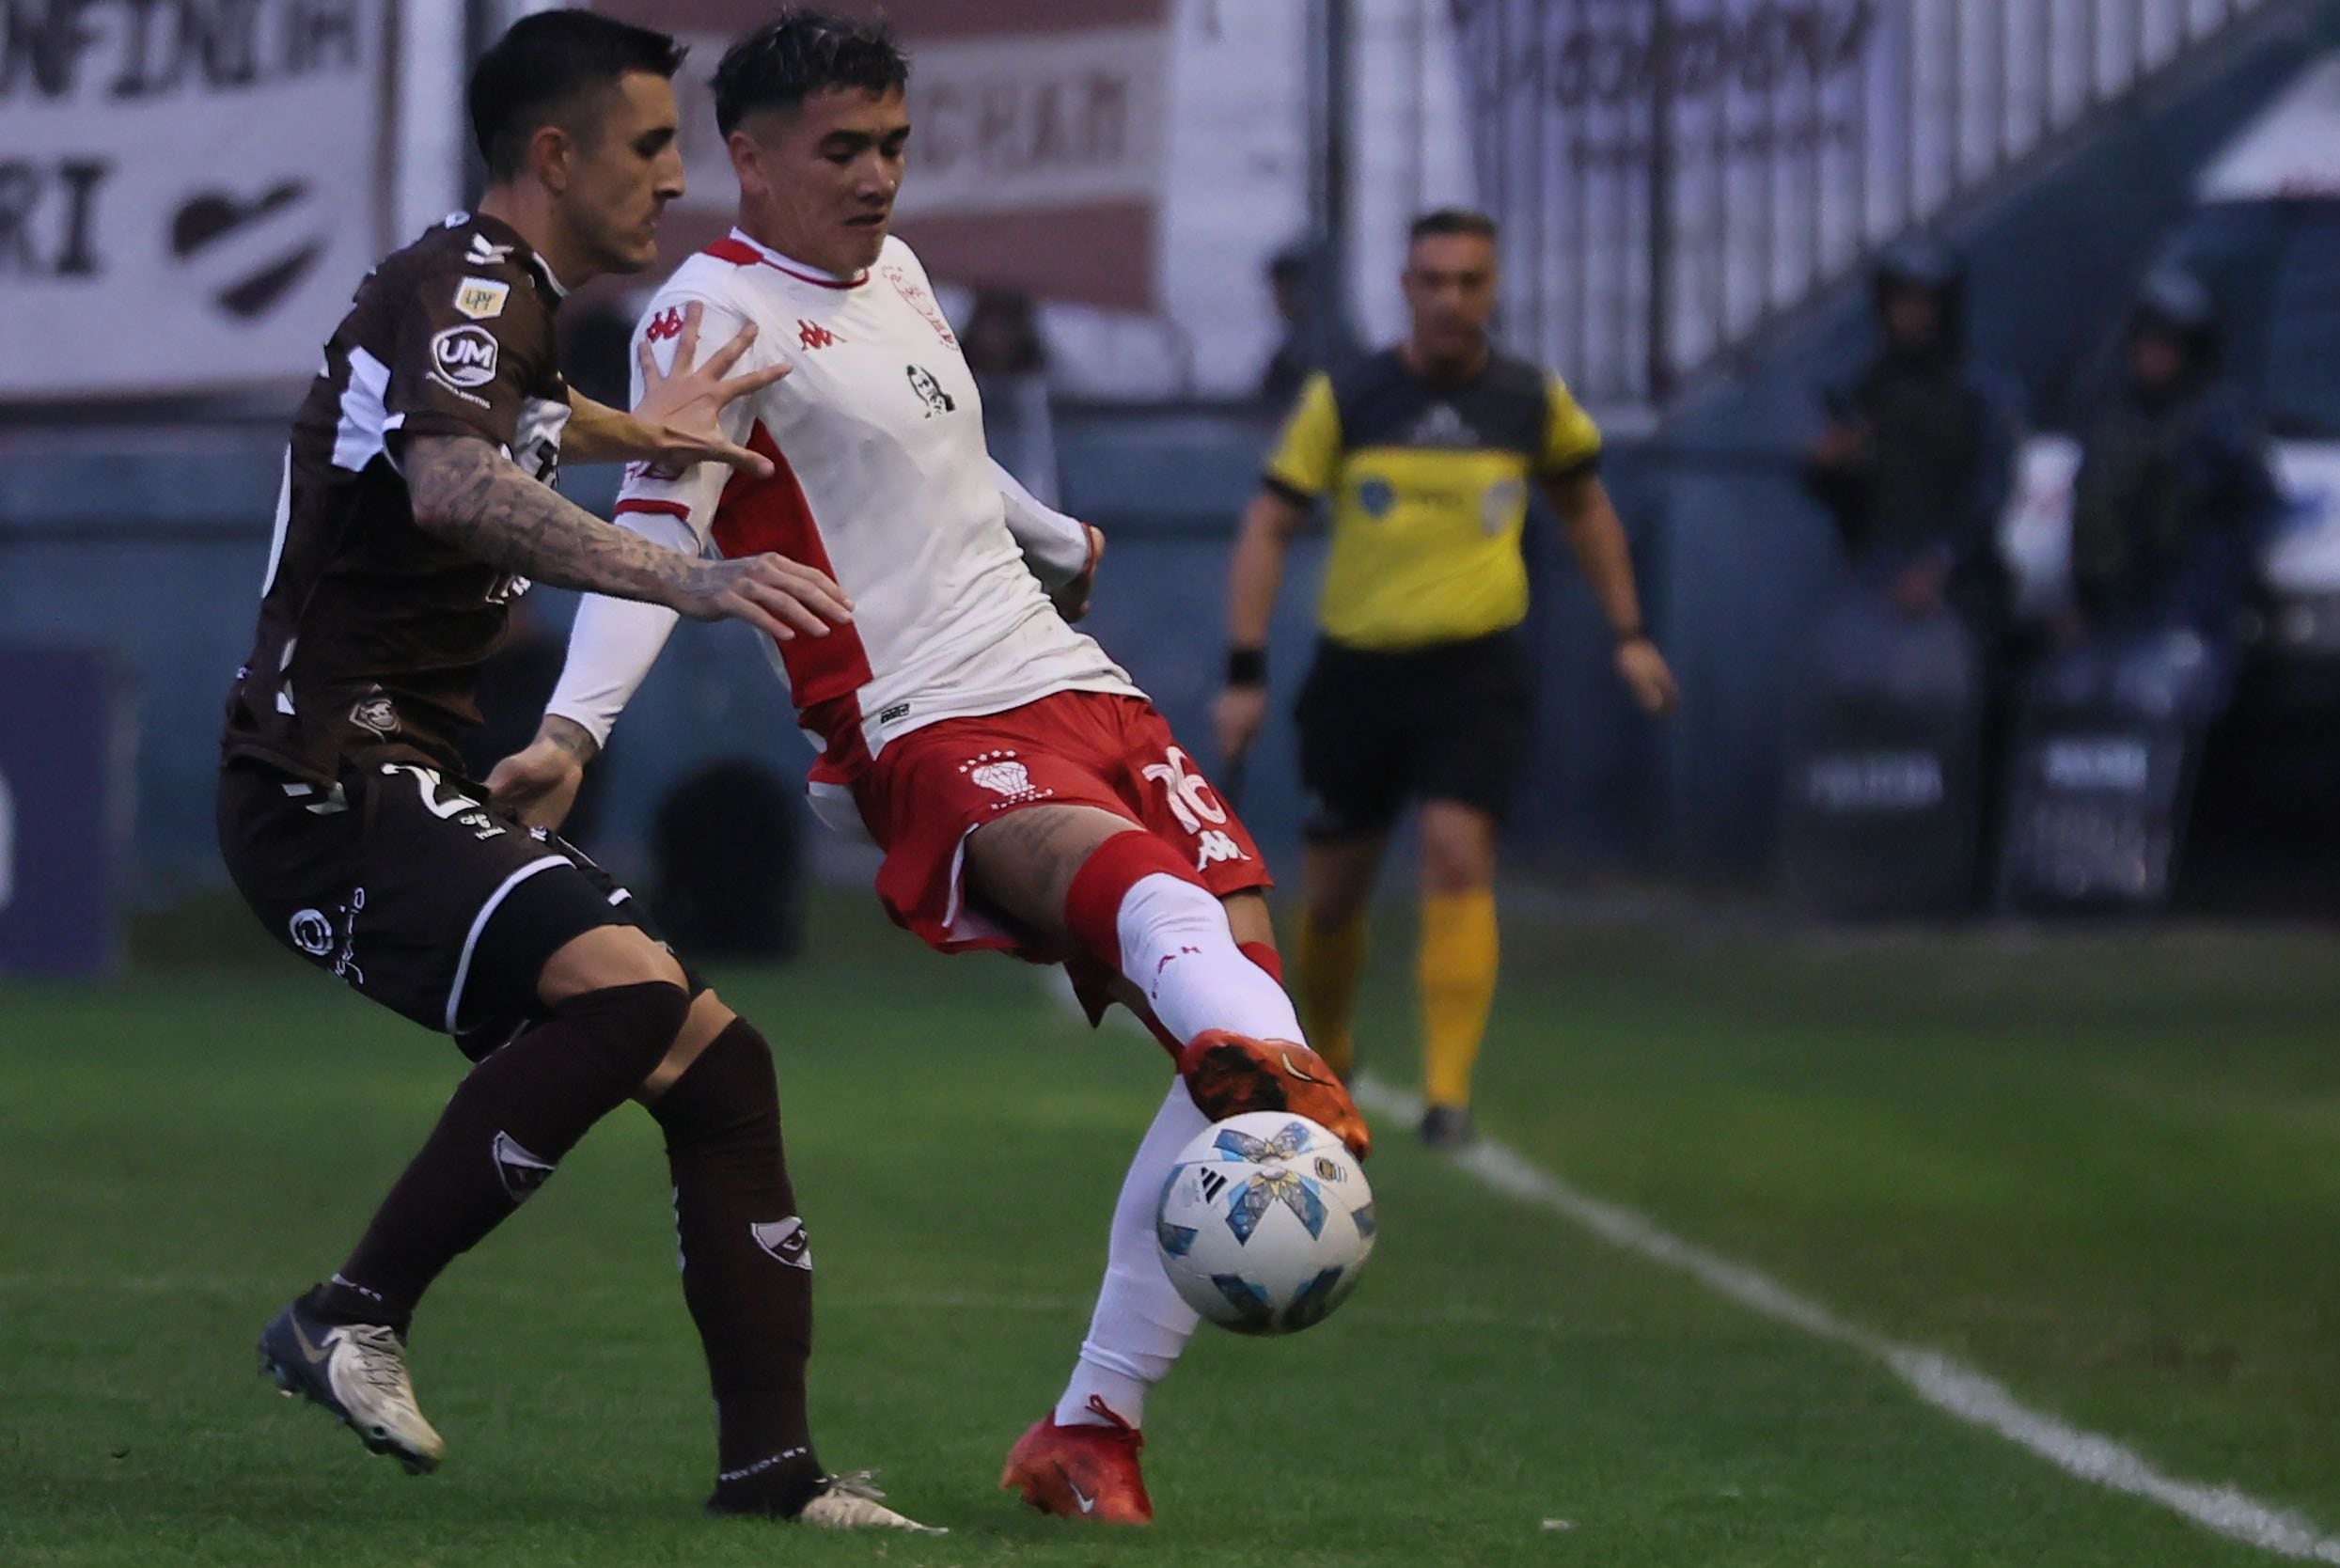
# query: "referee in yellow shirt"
{"type": "Point", "coordinates": [1421, 690]}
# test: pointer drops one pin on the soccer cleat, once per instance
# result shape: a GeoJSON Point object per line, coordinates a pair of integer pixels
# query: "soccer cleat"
{"type": "Point", "coordinates": [838, 1502]}
{"type": "Point", "coordinates": [358, 1372]}
{"type": "Point", "coordinates": [1449, 1128]}
{"type": "Point", "coordinates": [1231, 1073]}
{"type": "Point", "coordinates": [1081, 1472]}
{"type": "Point", "coordinates": [851, 1502]}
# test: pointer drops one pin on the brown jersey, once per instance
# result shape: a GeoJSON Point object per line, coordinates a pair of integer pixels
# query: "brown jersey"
{"type": "Point", "coordinates": [371, 632]}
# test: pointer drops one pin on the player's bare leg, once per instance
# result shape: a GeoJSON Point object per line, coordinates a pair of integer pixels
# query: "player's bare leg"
{"type": "Point", "coordinates": [1336, 889]}
{"type": "Point", "coordinates": [1455, 972]}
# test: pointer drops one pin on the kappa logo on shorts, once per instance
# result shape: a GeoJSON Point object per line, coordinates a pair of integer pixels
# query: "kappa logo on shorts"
{"type": "Point", "coordinates": [1217, 846]}
{"type": "Point", "coordinates": [785, 1239]}
{"type": "Point", "coordinates": [1003, 775]}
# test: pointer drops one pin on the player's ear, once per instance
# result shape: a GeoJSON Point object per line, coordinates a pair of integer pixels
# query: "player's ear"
{"type": "Point", "coordinates": [747, 157]}
{"type": "Point", "coordinates": [552, 156]}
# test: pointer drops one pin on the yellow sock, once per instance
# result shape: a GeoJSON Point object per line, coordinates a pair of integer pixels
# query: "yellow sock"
{"type": "Point", "coordinates": [1457, 979]}
{"type": "Point", "coordinates": [1328, 963]}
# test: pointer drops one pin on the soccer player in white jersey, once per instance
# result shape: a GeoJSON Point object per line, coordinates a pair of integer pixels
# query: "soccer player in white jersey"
{"type": "Point", "coordinates": [1026, 794]}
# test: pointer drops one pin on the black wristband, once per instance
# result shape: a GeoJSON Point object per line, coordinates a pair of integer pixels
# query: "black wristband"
{"type": "Point", "coordinates": [1246, 667]}
{"type": "Point", "coordinates": [1628, 636]}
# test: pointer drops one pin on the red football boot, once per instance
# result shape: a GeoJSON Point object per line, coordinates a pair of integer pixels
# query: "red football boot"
{"type": "Point", "coordinates": [1081, 1472]}
{"type": "Point", "coordinates": [1231, 1073]}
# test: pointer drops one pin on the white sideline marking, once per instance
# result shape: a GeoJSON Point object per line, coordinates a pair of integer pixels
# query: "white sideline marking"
{"type": "Point", "coordinates": [1960, 1390]}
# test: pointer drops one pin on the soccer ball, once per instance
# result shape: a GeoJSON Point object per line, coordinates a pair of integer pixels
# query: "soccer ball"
{"type": "Point", "coordinates": [1265, 1222]}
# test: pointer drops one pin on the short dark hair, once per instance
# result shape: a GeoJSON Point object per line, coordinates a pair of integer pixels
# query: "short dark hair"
{"type": "Point", "coordinates": [1452, 220]}
{"type": "Point", "coordinates": [542, 65]}
{"type": "Point", "coordinates": [802, 51]}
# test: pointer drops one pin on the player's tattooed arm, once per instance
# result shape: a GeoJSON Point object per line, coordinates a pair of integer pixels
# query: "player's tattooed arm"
{"type": "Point", "coordinates": [472, 497]}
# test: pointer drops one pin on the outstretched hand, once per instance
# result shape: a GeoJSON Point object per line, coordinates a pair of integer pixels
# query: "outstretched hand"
{"type": "Point", "coordinates": [680, 407]}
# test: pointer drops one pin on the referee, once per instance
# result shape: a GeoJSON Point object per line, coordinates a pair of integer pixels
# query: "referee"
{"type": "Point", "coordinates": [1422, 689]}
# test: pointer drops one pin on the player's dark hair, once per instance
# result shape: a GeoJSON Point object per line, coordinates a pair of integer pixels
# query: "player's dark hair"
{"type": "Point", "coordinates": [1452, 220]}
{"type": "Point", "coordinates": [542, 65]}
{"type": "Point", "coordinates": [802, 51]}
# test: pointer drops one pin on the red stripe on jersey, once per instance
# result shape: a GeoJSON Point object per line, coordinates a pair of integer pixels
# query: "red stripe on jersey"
{"type": "Point", "coordinates": [664, 509]}
{"type": "Point", "coordinates": [739, 253]}
{"type": "Point", "coordinates": [824, 674]}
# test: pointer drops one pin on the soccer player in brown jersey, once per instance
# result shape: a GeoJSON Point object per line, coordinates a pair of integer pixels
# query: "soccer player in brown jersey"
{"type": "Point", "coordinates": [417, 506]}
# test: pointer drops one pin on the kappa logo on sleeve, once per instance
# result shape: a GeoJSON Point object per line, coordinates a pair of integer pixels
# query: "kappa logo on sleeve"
{"type": "Point", "coordinates": [465, 355]}
{"type": "Point", "coordinates": [481, 298]}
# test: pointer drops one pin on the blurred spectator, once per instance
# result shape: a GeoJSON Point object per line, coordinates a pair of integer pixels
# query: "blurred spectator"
{"type": "Point", "coordinates": [1316, 336]}
{"type": "Point", "coordinates": [1917, 460]}
{"type": "Point", "coordinates": [2174, 487]}
{"type": "Point", "coordinates": [2173, 490]}
{"type": "Point", "coordinates": [1002, 341]}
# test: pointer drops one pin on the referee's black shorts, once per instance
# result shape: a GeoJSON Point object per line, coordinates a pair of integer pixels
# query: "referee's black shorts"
{"type": "Point", "coordinates": [1453, 721]}
{"type": "Point", "coordinates": [411, 887]}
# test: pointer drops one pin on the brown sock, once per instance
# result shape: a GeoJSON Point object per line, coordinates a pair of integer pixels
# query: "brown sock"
{"type": "Point", "coordinates": [506, 1126]}
{"type": "Point", "coordinates": [746, 1268]}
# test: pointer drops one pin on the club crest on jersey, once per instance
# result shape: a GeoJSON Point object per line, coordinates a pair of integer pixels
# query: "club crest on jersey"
{"type": "Point", "coordinates": [481, 298]}
{"type": "Point", "coordinates": [923, 382]}
{"type": "Point", "coordinates": [375, 712]}
{"type": "Point", "coordinates": [811, 335]}
{"type": "Point", "coordinates": [465, 355]}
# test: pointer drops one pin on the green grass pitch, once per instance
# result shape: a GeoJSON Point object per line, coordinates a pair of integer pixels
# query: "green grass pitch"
{"type": "Point", "coordinates": [2103, 1168]}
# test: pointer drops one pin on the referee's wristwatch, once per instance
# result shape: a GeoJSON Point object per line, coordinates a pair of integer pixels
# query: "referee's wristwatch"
{"type": "Point", "coordinates": [1246, 667]}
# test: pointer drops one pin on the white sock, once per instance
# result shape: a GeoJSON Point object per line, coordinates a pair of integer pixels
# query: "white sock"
{"type": "Point", "coordinates": [1140, 1323]}
{"type": "Point", "coordinates": [1176, 948]}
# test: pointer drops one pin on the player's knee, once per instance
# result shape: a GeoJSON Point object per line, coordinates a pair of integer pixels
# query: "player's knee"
{"type": "Point", "coordinates": [626, 1029]}
{"type": "Point", "coordinates": [607, 957]}
{"type": "Point", "coordinates": [1094, 903]}
{"type": "Point", "coordinates": [1457, 852]}
{"type": "Point", "coordinates": [729, 1091]}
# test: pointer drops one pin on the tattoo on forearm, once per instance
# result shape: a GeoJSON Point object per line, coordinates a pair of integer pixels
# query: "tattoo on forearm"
{"type": "Point", "coordinates": [471, 495]}
{"type": "Point", "coordinates": [571, 737]}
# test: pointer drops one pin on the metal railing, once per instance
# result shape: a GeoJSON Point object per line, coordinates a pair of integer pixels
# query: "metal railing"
{"type": "Point", "coordinates": [1675, 175]}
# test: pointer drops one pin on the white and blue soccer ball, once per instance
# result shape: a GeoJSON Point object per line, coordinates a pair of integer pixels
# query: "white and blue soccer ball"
{"type": "Point", "coordinates": [1264, 1223]}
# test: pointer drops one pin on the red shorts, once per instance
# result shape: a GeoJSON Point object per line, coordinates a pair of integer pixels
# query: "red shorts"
{"type": "Point", "coordinates": [926, 791]}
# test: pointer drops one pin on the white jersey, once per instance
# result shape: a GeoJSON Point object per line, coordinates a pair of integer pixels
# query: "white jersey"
{"type": "Point", "coordinates": [883, 481]}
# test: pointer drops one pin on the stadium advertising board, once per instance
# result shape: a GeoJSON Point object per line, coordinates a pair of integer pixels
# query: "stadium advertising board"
{"type": "Point", "coordinates": [186, 191]}
{"type": "Point", "coordinates": [1038, 157]}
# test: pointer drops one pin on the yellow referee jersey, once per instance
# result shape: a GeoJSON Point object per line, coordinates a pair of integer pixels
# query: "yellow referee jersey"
{"type": "Point", "coordinates": [1429, 490]}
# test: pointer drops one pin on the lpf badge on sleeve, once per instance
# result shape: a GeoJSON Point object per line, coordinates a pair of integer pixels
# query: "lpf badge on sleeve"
{"type": "Point", "coordinates": [481, 298]}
